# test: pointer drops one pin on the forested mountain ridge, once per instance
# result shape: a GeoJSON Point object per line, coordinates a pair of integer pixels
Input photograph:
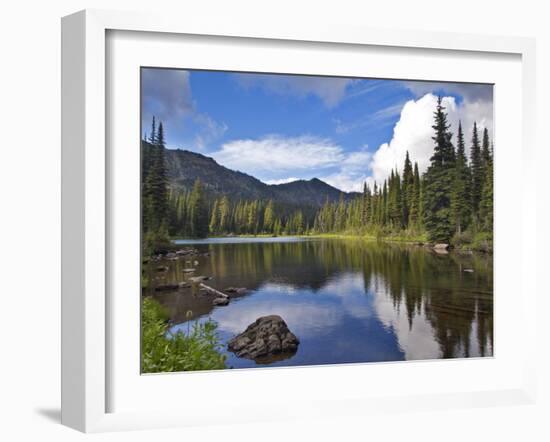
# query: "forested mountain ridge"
{"type": "Point", "coordinates": [184, 167]}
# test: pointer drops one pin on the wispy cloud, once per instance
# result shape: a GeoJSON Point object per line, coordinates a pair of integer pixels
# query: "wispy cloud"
{"type": "Point", "coordinates": [276, 159]}
{"type": "Point", "coordinates": [282, 180]}
{"type": "Point", "coordinates": [468, 91]}
{"type": "Point", "coordinates": [275, 153]}
{"type": "Point", "coordinates": [208, 130]}
{"type": "Point", "coordinates": [352, 171]}
{"type": "Point", "coordinates": [364, 87]}
{"type": "Point", "coordinates": [330, 90]}
{"type": "Point", "coordinates": [381, 117]}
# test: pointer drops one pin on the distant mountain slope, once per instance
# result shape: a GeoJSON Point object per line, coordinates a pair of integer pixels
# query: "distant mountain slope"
{"type": "Point", "coordinates": [184, 167]}
{"type": "Point", "coordinates": [314, 192]}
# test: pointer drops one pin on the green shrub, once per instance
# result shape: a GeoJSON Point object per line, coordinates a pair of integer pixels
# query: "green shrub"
{"type": "Point", "coordinates": [483, 242]}
{"type": "Point", "coordinates": [461, 239]}
{"type": "Point", "coordinates": [156, 241]}
{"type": "Point", "coordinates": [162, 351]}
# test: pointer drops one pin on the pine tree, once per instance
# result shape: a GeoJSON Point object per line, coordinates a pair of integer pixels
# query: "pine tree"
{"type": "Point", "coordinates": [414, 213]}
{"type": "Point", "coordinates": [478, 175]}
{"type": "Point", "coordinates": [153, 136]}
{"type": "Point", "coordinates": [277, 227]}
{"type": "Point", "coordinates": [224, 214]}
{"type": "Point", "coordinates": [485, 149]}
{"type": "Point", "coordinates": [438, 181]}
{"type": "Point", "coordinates": [365, 203]}
{"type": "Point", "coordinates": [155, 188]}
{"type": "Point", "coordinates": [407, 189]}
{"type": "Point", "coordinates": [461, 198]}
{"type": "Point", "coordinates": [339, 221]}
{"type": "Point", "coordinates": [486, 203]}
{"type": "Point", "coordinates": [214, 218]}
{"type": "Point", "coordinates": [269, 216]}
{"type": "Point", "coordinates": [394, 201]}
{"type": "Point", "coordinates": [198, 213]}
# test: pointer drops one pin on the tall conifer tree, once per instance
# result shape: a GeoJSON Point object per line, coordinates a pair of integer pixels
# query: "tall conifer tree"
{"type": "Point", "coordinates": [438, 181]}
{"type": "Point", "coordinates": [461, 198]}
{"type": "Point", "coordinates": [478, 175]}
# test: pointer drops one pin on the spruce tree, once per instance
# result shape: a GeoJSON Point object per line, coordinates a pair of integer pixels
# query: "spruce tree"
{"type": "Point", "coordinates": [414, 213]}
{"type": "Point", "coordinates": [438, 181]}
{"type": "Point", "coordinates": [153, 136]}
{"type": "Point", "coordinates": [214, 218]}
{"type": "Point", "coordinates": [269, 217]}
{"type": "Point", "coordinates": [486, 203]}
{"type": "Point", "coordinates": [407, 189]}
{"type": "Point", "coordinates": [478, 175]}
{"type": "Point", "coordinates": [224, 213]}
{"type": "Point", "coordinates": [461, 198]}
{"type": "Point", "coordinates": [198, 212]}
{"type": "Point", "coordinates": [155, 188]}
{"type": "Point", "coordinates": [485, 149]}
{"type": "Point", "coordinates": [365, 202]}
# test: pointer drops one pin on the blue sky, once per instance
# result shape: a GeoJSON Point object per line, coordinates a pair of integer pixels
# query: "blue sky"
{"type": "Point", "coordinates": [279, 128]}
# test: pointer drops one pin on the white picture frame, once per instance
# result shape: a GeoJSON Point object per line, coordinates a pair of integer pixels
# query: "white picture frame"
{"type": "Point", "coordinates": [86, 205]}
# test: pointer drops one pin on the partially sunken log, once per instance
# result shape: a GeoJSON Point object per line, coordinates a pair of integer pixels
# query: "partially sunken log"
{"type": "Point", "coordinates": [268, 336]}
{"type": "Point", "coordinates": [213, 291]}
{"type": "Point", "coordinates": [236, 290]}
{"type": "Point", "coordinates": [198, 279]}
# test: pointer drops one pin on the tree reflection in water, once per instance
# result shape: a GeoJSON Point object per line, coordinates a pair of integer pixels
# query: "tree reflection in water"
{"type": "Point", "coordinates": [370, 301]}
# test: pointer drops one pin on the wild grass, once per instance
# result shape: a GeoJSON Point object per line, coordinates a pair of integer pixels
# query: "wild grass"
{"type": "Point", "coordinates": [162, 351]}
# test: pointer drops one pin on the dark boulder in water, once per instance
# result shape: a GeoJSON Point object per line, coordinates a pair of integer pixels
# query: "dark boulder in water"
{"type": "Point", "coordinates": [267, 336]}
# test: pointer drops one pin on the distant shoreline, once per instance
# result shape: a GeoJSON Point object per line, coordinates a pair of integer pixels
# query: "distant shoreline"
{"type": "Point", "coordinates": [418, 241]}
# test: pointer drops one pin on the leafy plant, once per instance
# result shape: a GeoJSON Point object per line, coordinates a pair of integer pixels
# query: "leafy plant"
{"type": "Point", "coordinates": [162, 351]}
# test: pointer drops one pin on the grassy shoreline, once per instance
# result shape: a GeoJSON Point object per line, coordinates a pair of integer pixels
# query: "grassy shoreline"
{"type": "Point", "coordinates": [412, 239]}
{"type": "Point", "coordinates": [391, 238]}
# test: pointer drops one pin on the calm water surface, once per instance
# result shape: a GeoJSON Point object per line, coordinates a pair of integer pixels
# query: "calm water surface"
{"type": "Point", "coordinates": [346, 300]}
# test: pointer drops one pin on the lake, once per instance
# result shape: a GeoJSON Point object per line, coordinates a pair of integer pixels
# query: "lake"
{"type": "Point", "coordinates": [347, 300]}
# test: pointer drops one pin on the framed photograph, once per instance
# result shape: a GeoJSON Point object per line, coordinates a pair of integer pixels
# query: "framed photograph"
{"type": "Point", "coordinates": [288, 222]}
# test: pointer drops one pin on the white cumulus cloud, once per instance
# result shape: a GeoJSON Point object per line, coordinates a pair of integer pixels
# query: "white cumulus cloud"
{"type": "Point", "coordinates": [413, 132]}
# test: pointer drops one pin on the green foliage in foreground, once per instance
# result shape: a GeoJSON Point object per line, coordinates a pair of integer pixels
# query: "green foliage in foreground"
{"type": "Point", "coordinates": [200, 349]}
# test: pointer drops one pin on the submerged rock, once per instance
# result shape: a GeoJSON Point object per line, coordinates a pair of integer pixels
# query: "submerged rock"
{"type": "Point", "coordinates": [220, 301]}
{"type": "Point", "coordinates": [166, 287]}
{"type": "Point", "coordinates": [267, 336]}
